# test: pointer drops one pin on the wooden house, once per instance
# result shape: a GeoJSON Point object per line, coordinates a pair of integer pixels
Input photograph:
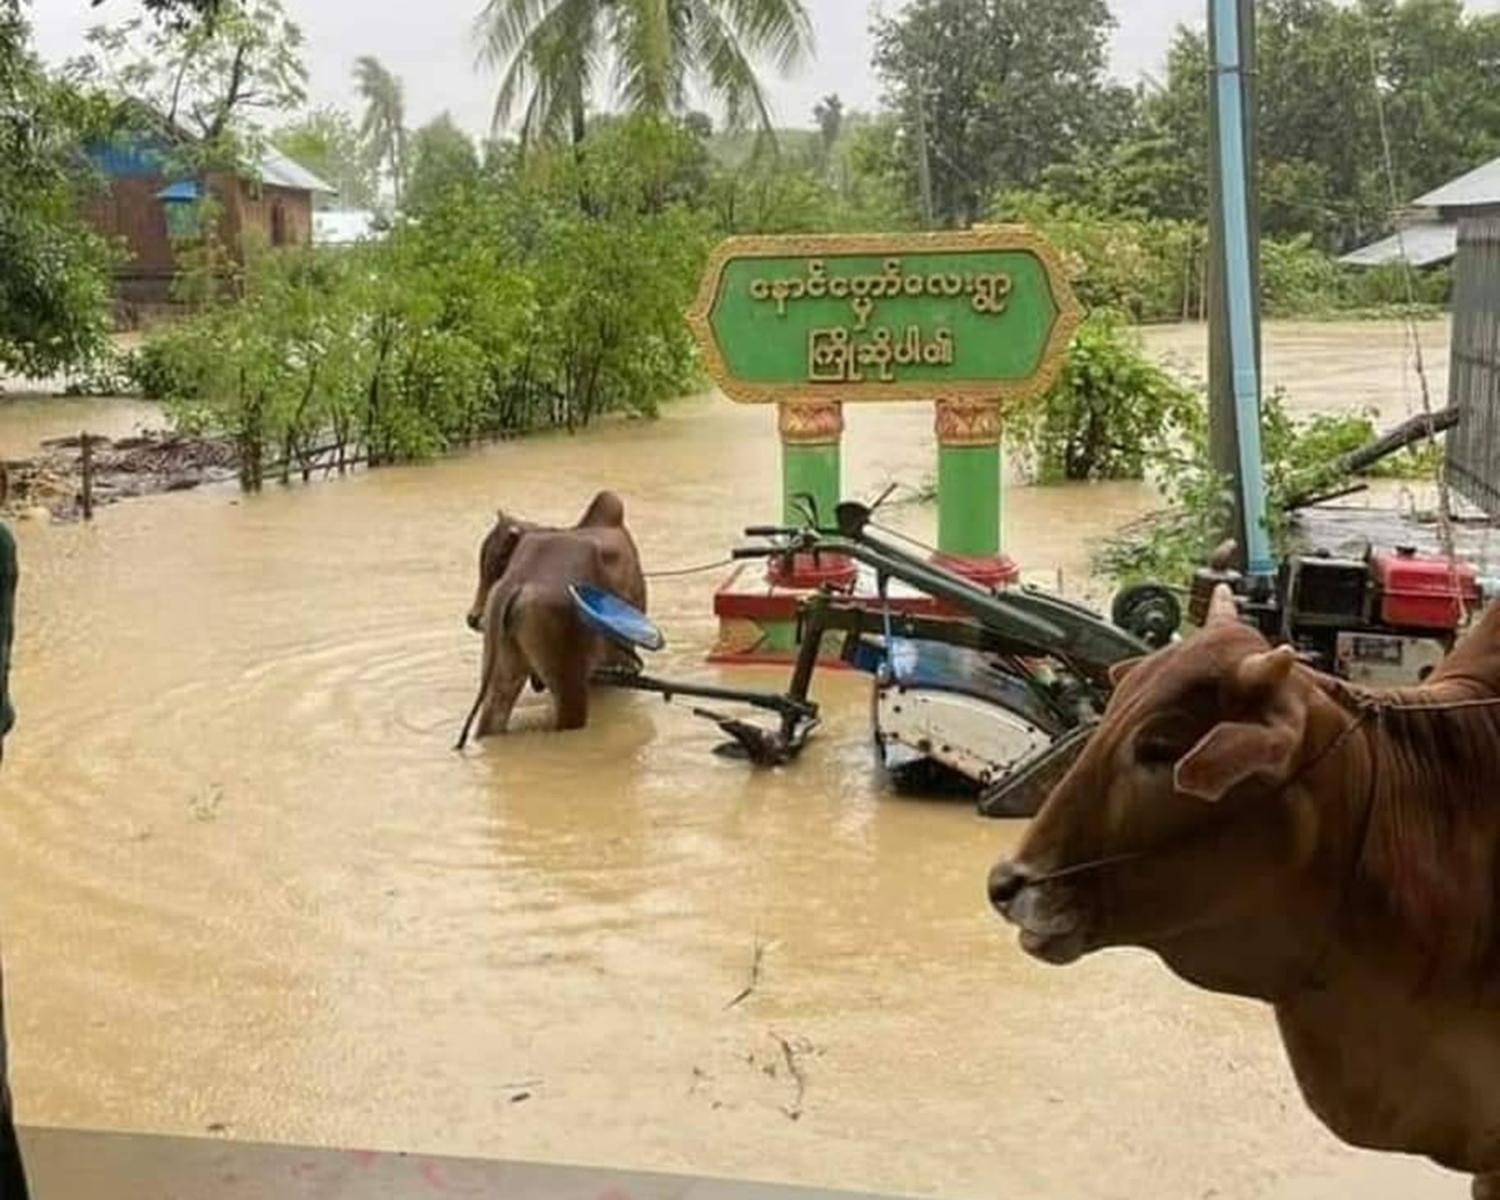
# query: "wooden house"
{"type": "Point", "coordinates": [149, 205]}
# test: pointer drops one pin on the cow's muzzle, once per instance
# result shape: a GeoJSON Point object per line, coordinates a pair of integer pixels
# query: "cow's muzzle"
{"type": "Point", "coordinates": [1007, 881]}
{"type": "Point", "coordinates": [474, 622]}
{"type": "Point", "coordinates": [1050, 923]}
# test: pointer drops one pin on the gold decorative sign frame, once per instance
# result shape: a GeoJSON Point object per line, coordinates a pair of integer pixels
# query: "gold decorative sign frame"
{"type": "Point", "coordinates": [1013, 238]}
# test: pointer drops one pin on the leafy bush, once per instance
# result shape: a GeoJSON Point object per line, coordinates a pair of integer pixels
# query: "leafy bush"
{"type": "Point", "coordinates": [1299, 280]}
{"type": "Point", "coordinates": [1110, 412]}
{"type": "Point", "coordinates": [1167, 546]}
{"type": "Point", "coordinates": [1382, 291]}
{"type": "Point", "coordinates": [1300, 457]}
{"type": "Point", "coordinates": [149, 370]}
{"type": "Point", "coordinates": [543, 294]}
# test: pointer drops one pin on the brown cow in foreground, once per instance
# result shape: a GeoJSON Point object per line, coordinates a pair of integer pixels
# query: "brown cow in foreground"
{"type": "Point", "coordinates": [1274, 833]}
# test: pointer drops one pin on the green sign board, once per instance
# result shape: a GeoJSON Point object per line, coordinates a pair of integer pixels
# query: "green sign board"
{"type": "Point", "coordinates": [978, 316]}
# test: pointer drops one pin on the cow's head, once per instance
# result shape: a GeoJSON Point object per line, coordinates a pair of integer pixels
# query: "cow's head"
{"type": "Point", "coordinates": [1173, 825]}
{"type": "Point", "coordinates": [494, 557]}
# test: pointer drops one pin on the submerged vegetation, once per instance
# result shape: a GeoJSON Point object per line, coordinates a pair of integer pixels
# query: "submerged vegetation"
{"type": "Point", "coordinates": [536, 294]}
{"type": "Point", "coordinates": [1301, 458]}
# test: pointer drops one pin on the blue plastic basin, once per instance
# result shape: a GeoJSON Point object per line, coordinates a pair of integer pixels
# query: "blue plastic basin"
{"type": "Point", "coordinates": [622, 623]}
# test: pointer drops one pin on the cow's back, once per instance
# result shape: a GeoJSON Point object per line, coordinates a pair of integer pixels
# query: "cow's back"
{"type": "Point", "coordinates": [1473, 665]}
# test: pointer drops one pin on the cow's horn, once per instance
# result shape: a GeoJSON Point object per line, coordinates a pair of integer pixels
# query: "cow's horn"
{"type": "Point", "coordinates": [1266, 671]}
{"type": "Point", "coordinates": [1221, 608]}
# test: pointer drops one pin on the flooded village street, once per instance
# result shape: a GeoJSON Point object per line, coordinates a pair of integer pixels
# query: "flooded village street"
{"type": "Point", "coordinates": [252, 892]}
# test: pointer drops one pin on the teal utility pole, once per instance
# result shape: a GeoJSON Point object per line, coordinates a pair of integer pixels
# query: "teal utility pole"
{"type": "Point", "coordinates": [1234, 277]}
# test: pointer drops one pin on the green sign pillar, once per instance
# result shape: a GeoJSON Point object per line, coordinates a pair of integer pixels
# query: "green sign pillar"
{"type": "Point", "coordinates": [811, 465]}
{"type": "Point", "coordinates": [969, 496]}
{"type": "Point", "coordinates": [811, 458]}
{"type": "Point", "coordinates": [971, 490]}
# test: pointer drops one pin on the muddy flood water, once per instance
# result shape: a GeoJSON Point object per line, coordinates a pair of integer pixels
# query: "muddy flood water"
{"type": "Point", "coordinates": [250, 891]}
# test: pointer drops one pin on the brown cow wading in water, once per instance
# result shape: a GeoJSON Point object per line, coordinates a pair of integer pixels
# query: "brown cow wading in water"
{"type": "Point", "coordinates": [525, 610]}
{"type": "Point", "coordinates": [1272, 832]}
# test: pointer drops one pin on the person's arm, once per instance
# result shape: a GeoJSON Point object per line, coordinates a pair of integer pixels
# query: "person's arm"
{"type": "Point", "coordinates": [9, 576]}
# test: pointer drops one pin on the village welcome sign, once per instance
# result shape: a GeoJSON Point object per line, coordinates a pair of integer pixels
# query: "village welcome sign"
{"type": "Point", "coordinates": [982, 316]}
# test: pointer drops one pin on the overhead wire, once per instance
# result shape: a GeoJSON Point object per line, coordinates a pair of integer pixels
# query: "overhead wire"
{"type": "Point", "coordinates": [1445, 509]}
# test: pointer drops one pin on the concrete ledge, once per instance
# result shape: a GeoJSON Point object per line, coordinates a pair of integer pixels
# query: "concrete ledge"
{"type": "Point", "coordinates": [67, 1164]}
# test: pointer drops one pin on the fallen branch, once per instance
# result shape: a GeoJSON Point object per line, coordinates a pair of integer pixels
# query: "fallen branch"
{"type": "Point", "coordinates": [749, 988]}
{"type": "Point", "coordinates": [1343, 493]}
{"type": "Point", "coordinates": [1415, 429]}
{"type": "Point", "coordinates": [790, 1053]}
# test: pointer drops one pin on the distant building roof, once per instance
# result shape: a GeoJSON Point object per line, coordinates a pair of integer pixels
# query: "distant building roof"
{"type": "Point", "coordinates": [1425, 245]}
{"type": "Point", "coordinates": [146, 150]}
{"type": "Point", "coordinates": [280, 171]}
{"type": "Point", "coordinates": [344, 226]}
{"type": "Point", "coordinates": [1480, 186]}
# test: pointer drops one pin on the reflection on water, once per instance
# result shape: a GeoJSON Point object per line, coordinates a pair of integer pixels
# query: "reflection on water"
{"type": "Point", "coordinates": [249, 885]}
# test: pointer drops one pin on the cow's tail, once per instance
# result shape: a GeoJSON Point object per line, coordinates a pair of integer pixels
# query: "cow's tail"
{"type": "Point", "coordinates": [494, 631]}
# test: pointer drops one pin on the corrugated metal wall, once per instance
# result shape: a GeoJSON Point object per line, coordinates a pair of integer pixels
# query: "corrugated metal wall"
{"type": "Point", "coordinates": [1474, 382]}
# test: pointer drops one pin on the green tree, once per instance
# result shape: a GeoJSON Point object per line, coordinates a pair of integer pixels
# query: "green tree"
{"type": "Point", "coordinates": [1159, 166]}
{"type": "Point", "coordinates": [1437, 63]}
{"type": "Point", "coordinates": [551, 52]}
{"type": "Point", "coordinates": [217, 79]}
{"type": "Point", "coordinates": [509, 306]}
{"type": "Point", "coordinates": [443, 157]}
{"type": "Point", "coordinates": [876, 174]}
{"type": "Point", "coordinates": [829, 114]}
{"type": "Point", "coordinates": [383, 127]}
{"type": "Point", "coordinates": [181, 13]}
{"type": "Point", "coordinates": [995, 91]}
{"type": "Point", "coordinates": [54, 281]}
{"type": "Point", "coordinates": [326, 142]}
{"type": "Point", "coordinates": [1322, 67]}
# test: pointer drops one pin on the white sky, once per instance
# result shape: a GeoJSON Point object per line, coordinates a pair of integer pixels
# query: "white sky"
{"type": "Point", "coordinates": [429, 45]}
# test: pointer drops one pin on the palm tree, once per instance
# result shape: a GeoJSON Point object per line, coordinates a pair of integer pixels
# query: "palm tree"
{"type": "Point", "coordinates": [829, 114]}
{"type": "Point", "coordinates": [383, 127]}
{"type": "Point", "coordinates": [552, 52]}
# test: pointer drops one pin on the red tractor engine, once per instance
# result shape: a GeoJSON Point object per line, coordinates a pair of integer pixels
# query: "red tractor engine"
{"type": "Point", "coordinates": [1386, 620]}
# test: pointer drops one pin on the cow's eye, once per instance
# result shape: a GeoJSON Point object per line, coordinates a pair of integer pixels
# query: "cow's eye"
{"type": "Point", "coordinates": [1156, 750]}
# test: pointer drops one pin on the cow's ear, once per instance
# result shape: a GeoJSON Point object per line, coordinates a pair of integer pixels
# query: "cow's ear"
{"type": "Point", "coordinates": [1232, 752]}
{"type": "Point", "coordinates": [1121, 669]}
{"type": "Point", "coordinates": [498, 549]}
